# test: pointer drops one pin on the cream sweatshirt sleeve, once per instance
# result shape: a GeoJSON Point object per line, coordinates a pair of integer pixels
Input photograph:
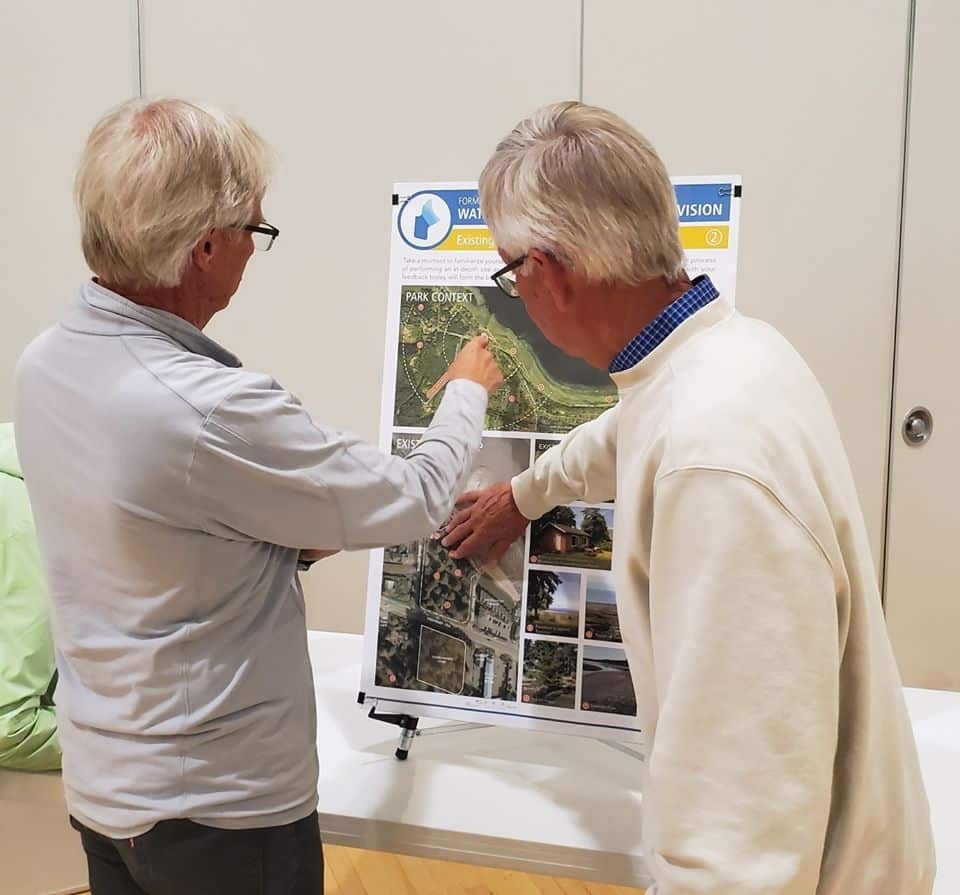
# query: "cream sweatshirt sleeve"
{"type": "Point", "coordinates": [744, 626]}
{"type": "Point", "coordinates": [583, 466]}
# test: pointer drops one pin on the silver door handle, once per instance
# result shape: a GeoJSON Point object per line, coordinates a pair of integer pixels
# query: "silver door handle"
{"type": "Point", "coordinates": [918, 427]}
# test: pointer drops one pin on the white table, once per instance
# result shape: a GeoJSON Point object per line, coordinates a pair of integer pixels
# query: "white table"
{"type": "Point", "coordinates": [936, 723]}
{"type": "Point", "coordinates": [544, 803]}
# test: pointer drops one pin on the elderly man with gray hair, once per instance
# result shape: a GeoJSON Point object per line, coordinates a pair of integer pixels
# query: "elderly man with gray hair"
{"type": "Point", "coordinates": [174, 493]}
{"type": "Point", "coordinates": [781, 758]}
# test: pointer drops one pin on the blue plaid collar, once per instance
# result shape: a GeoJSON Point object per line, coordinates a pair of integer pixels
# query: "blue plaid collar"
{"type": "Point", "coordinates": [698, 296]}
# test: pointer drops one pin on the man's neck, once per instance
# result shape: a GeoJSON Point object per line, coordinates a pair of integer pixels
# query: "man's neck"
{"type": "Point", "coordinates": [618, 313]}
{"type": "Point", "coordinates": [174, 300]}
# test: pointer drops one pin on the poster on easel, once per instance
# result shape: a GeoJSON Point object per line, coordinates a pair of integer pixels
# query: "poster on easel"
{"type": "Point", "coordinates": [533, 639]}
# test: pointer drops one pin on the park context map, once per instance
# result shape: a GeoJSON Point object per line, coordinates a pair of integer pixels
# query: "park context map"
{"type": "Point", "coordinates": [533, 639]}
{"type": "Point", "coordinates": [544, 390]}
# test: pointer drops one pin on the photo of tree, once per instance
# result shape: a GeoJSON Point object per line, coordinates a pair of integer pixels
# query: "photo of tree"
{"type": "Point", "coordinates": [553, 603]}
{"type": "Point", "coordinates": [550, 673]}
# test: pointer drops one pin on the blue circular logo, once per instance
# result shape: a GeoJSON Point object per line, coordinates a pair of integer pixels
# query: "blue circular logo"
{"type": "Point", "coordinates": [425, 220]}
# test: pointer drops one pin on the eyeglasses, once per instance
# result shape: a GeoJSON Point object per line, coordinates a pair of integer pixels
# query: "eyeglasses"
{"type": "Point", "coordinates": [506, 277]}
{"type": "Point", "coordinates": [264, 235]}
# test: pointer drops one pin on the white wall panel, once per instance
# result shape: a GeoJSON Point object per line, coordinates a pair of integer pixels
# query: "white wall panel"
{"type": "Point", "coordinates": [354, 96]}
{"type": "Point", "coordinates": [62, 67]}
{"type": "Point", "coordinates": [806, 101]}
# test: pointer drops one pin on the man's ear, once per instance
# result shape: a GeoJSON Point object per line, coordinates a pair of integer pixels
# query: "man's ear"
{"type": "Point", "coordinates": [205, 251]}
{"type": "Point", "coordinates": [554, 277]}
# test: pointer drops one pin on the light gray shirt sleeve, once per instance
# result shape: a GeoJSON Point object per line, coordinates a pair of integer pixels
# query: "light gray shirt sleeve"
{"type": "Point", "coordinates": [263, 470]}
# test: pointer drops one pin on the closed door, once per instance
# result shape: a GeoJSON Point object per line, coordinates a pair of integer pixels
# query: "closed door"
{"type": "Point", "coordinates": [806, 102]}
{"type": "Point", "coordinates": [923, 565]}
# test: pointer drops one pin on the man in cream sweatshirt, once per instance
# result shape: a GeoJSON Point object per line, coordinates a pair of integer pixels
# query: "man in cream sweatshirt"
{"type": "Point", "coordinates": [781, 758]}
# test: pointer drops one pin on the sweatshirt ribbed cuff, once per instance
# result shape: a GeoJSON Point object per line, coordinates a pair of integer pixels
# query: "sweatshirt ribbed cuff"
{"type": "Point", "coordinates": [529, 501]}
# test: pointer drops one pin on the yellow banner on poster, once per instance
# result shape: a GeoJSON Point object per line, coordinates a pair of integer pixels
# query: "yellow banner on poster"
{"type": "Point", "coordinates": [711, 236]}
{"type": "Point", "coordinates": [468, 239]}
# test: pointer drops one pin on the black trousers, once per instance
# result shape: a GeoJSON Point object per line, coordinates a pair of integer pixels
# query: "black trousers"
{"type": "Point", "coordinates": [180, 857]}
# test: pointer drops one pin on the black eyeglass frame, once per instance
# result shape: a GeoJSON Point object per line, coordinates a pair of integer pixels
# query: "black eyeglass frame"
{"type": "Point", "coordinates": [266, 229]}
{"type": "Point", "coordinates": [513, 265]}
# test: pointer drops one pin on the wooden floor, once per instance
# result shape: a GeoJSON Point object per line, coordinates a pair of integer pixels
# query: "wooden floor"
{"type": "Point", "coordinates": [353, 872]}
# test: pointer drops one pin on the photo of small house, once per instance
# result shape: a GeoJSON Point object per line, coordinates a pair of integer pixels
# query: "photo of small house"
{"type": "Point", "coordinates": [606, 685]}
{"type": "Point", "coordinates": [559, 538]}
{"type": "Point", "coordinates": [573, 536]}
{"type": "Point", "coordinates": [553, 603]}
{"type": "Point", "coordinates": [601, 621]}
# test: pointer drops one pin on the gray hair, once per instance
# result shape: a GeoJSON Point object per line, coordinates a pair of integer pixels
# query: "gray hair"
{"type": "Point", "coordinates": [155, 176]}
{"type": "Point", "coordinates": [580, 183]}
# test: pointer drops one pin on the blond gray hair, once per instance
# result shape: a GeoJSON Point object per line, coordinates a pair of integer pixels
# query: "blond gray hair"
{"type": "Point", "coordinates": [155, 176]}
{"type": "Point", "coordinates": [580, 183]}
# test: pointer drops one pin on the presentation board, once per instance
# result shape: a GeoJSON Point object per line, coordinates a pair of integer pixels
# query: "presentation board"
{"type": "Point", "coordinates": [534, 638]}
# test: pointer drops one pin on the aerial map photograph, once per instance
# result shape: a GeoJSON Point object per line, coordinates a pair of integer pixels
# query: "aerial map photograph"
{"type": "Point", "coordinates": [545, 390]}
{"type": "Point", "coordinates": [449, 625]}
{"type": "Point", "coordinates": [538, 627]}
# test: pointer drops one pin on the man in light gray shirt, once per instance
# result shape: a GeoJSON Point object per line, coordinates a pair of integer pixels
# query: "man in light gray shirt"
{"type": "Point", "coordinates": [174, 492]}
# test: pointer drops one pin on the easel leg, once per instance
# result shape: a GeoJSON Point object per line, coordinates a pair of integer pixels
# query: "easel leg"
{"type": "Point", "coordinates": [407, 733]}
{"type": "Point", "coordinates": [408, 730]}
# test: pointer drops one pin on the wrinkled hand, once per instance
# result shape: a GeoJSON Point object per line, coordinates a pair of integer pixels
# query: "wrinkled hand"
{"type": "Point", "coordinates": [485, 525]}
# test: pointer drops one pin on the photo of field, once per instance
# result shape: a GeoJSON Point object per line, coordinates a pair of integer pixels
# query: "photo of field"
{"type": "Point", "coordinates": [442, 660]}
{"type": "Point", "coordinates": [545, 390]}
{"type": "Point", "coordinates": [576, 536]}
{"type": "Point", "coordinates": [553, 603]}
{"type": "Point", "coordinates": [418, 651]}
{"type": "Point", "coordinates": [606, 684]}
{"type": "Point", "coordinates": [601, 620]}
{"type": "Point", "coordinates": [550, 673]}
